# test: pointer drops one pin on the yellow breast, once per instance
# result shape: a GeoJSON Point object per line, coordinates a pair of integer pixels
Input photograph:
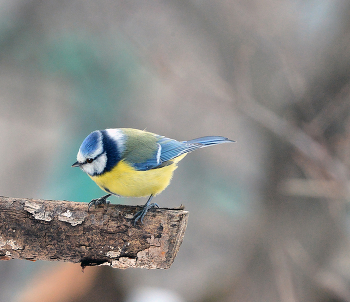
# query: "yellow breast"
{"type": "Point", "coordinates": [124, 180]}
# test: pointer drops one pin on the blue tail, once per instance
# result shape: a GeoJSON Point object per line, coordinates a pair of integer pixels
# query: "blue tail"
{"type": "Point", "coordinates": [209, 140]}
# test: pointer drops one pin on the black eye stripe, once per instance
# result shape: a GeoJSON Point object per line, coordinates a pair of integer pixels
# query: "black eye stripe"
{"type": "Point", "coordinates": [89, 160]}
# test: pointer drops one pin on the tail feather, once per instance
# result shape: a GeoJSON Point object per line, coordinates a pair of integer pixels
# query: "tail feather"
{"type": "Point", "coordinates": [209, 140]}
{"type": "Point", "coordinates": [170, 149]}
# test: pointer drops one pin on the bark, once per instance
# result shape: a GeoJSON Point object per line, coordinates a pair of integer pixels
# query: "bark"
{"type": "Point", "coordinates": [65, 231]}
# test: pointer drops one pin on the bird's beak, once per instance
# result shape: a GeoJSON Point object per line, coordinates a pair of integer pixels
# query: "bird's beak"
{"type": "Point", "coordinates": [76, 164]}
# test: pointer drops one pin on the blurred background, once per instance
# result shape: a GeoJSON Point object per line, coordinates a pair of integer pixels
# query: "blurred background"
{"type": "Point", "coordinates": [269, 215]}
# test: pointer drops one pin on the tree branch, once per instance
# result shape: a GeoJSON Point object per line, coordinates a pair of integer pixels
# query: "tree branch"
{"type": "Point", "coordinates": [64, 231]}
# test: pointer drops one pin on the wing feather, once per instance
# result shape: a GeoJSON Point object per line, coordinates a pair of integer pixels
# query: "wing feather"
{"type": "Point", "coordinates": [166, 149]}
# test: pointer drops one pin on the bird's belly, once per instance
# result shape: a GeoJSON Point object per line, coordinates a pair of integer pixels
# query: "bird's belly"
{"type": "Point", "coordinates": [124, 180]}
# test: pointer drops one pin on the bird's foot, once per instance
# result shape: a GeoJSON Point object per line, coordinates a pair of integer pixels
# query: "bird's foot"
{"type": "Point", "coordinates": [141, 214]}
{"type": "Point", "coordinates": [99, 201]}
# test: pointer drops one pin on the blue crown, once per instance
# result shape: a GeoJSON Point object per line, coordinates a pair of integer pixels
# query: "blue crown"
{"type": "Point", "coordinates": [90, 143]}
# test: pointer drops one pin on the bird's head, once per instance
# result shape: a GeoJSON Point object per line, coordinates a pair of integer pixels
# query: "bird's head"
{"type": "Point", "coordinates": [92, 156]}
{"type": "Point", "coordinates": [100, 151]}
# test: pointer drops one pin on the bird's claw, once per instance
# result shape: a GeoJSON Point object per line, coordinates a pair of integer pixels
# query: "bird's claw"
{"type": "Point", "coordinates": [141, 214]}
{"type": "Point", "coordinates": [99, 201]}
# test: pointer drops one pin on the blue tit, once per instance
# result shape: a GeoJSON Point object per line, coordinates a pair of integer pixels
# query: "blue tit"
{"type": "Point", "coordinates": [134, 163]}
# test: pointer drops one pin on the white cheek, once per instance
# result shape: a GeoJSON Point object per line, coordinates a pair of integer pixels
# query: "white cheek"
{"type": "Point", "coordinates": [97, 166]}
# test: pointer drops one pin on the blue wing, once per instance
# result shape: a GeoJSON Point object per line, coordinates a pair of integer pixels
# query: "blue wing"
{"type": "Point", "coordinates": [166, 150]}
{"type": "Point", "coordinates": [169, 149]}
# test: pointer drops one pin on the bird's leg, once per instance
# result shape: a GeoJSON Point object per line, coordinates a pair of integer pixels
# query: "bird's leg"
{"type": "Point", "coordinates": [98, 201]}
{"type": "Point", "coordinates": [141, 214]}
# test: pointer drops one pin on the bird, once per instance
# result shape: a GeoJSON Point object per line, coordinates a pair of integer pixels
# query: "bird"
{"type": "Point", "coordinates": [134, 163]}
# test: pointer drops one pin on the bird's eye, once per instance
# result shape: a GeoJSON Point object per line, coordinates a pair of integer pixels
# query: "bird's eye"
{"type": "Point", "coordinates": [89, 160]}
